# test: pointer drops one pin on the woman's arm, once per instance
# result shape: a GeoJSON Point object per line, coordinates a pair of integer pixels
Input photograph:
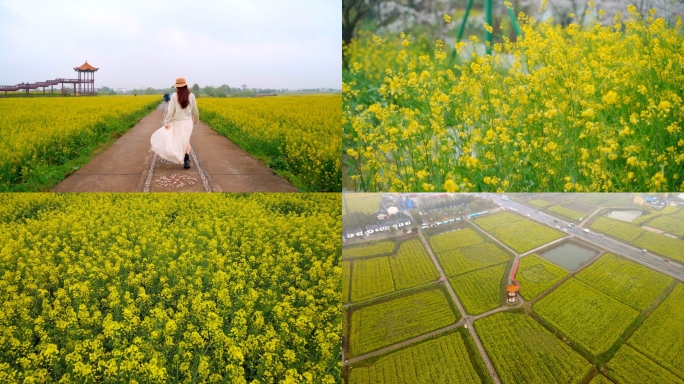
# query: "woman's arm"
{"type": "Point", "coordinates": [170, 111]}
{"type": "Point", "coordinates": [195, 112]}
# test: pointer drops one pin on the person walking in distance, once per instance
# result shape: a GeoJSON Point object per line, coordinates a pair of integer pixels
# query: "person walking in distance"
{"type": "Point", "coordinates": [172, 141]}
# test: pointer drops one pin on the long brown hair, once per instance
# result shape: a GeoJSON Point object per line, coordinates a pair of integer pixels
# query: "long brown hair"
{"type": "Point", "coordinates": [183, 96]}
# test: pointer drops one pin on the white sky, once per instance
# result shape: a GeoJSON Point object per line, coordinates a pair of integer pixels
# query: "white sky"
{"type": "Point", "coordinates": [261, 43]}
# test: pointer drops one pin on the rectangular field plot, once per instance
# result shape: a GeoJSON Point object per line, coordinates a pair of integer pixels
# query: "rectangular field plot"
{"type": "Point", "coordinates": [523, 351]}
{"type": "Point", "coordinates": [665, 211]}
{"type": "Point", "coordinates": [412, 266]}
{"type": "Point", "coordinates": [497, 220]}
{"type": "Point", "coordinates": [661, 336]}
{"type": "Point", "coordinates": [626, 201]}
{"type": "Point", "coordinates": [455, 239]}
{"type": "Point", "coordinates": [362, 202]}
{"type": "Point", "coordinates": [441, 360]}
{"type": "Point", "coordinates": [346, 272]}
{"type": "Point", "coordinates": [600, 379]}
{"type": "Point", "coordinates": [479, 291]}
{"type": "Point", "coordinates": [617, 228]}
{"type": "Point", "coordinates": [379, 248]}
{"type": "Point", "coordinates": [371, 278]}
{"type": "Point", "coordinates": [540, 203]}
{"type": "Point", "coordinates": [587, 316]}
{"type": "Point", "coordinates": [525, 235]}
{"type": "Point", "coordinates": [668, 224]}
{"type": "Point", "coordinates": [565, 212]}
{"type": "Point", "coordinates": [458, 261]}
{"type": "Point", "coordinates": [628, 282]}
{"type": "Point", "coordinates": [537, 275]}
{"type": "Point", "coordinates": [580, 206]}
{"type": "Point", "coordinates": [594, 198]}
{"type": "Point", "coordinates": [390, 322]}
{"type": "Point", "coordinates": [628, 366]}
{"type": "Point", "coordinates": [663, 245]}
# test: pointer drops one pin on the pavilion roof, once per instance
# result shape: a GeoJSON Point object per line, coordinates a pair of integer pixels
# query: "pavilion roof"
{"type": "Point", "coordinates": [86, 67]}
{"type": "Point", "coordinates": [512, 288]}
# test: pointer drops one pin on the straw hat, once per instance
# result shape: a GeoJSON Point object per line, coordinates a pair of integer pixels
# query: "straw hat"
{"type": "Point", "coordinates": [180, 82]}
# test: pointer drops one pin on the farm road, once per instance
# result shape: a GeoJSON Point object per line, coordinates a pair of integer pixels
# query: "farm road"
{"type": "Point", "coordinates": [129, 165]}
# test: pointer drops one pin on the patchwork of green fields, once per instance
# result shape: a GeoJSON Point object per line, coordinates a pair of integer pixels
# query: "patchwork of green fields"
{"type": "Point", "coordinates": [591, 318]}
{"type": "Point", "coordinates": [626, 281]}
{"type": "Point", "coordinates": [661, 336]}
{"type": "Point", "coordinates": [525, 235]}
{"type": "Point", "coordinates": [409, 267]}
{"type": "Point", "coordinates": [479, 291]}
{"type": "Point", "coordinates": [458, 261]}
{"type": "Point", "coordinates": [569, 213]}
{"type": "Point", "coordinates": [371, 278]}
{"type": "Point", "coordinates": [440, 360]}
{"type": "Point", "coordinates": [617, 228]}
{"type": "Point", "coordinates": [536, 275]}
{"type": "Point", "coordinates": [523, 351]}
{"type": "Point", "coordinates": [668, 224]}
{"type": "Point", "coordinates": [390, 322]}
{"type": "Point", "coordinates": [497, 220]}
{"type": "Point", "coordinates": [455, 239]}
{"type": "Point", "coordinates": [628, 366]}
{"type": "Point", "coordinates": [362, 202]}
{"type": "Point", "coordinates": [663, 245]}
{"type": "Point", "coordinates": [540, 203]}
{"type": "Point", "coordinates": [379, 248]}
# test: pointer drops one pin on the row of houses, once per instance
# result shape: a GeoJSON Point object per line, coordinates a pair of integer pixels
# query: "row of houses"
{"type": "Point", "coordinates": [438, 223]}
{"type": "Point", "coordinates": [400, 222]}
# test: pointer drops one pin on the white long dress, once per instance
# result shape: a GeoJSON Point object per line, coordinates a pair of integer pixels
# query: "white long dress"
{"type": "Point", "coordinates": [170, 144]}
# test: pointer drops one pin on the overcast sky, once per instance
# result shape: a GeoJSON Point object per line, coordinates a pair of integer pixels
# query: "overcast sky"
{"type": "Point", "coordinates": [141, 43]}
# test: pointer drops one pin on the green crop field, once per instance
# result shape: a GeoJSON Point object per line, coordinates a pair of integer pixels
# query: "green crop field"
{"type": "Point", "coordinates": [663, 245]}
{"type": "Point", "coordinates": [346, 272]}
{"type": "Point", "coordinates": [380, 248]}
{"type": "Point", "coordinates": [594, 198]}
{"type": "Point", "coordinates": [668, 224]}
{"type": "Point", "coordinates": [628, 366]}
{"type": "Point", "coordinates": [569, 213]}
{"type": "Point", "coordinates": [370, 278]}
{"type": "Point", "coordinates": [591, 318]}
{"type": "Point", "coordinates": [397, 320]}
{"type": "Point", "coordinates": [536, 275]}
{"type": "Point", "coordinates": [617, 228]}
{"type": "Point", "coordinates": [600, 379]}
{"type": "Point", "coordinates": [479, 291]}
{"type": "Point", "coordinates": [455, 239]}
{"type": "Point", "coordinates": [523, 351]}
{"type": "Point", "coordinates": [540, 203]}
{"type": "Point", "coordinates": [580, 206]}
{"type": "Point", "coordinates": [362, 202]}
{"type": "Point", "coordinates": [457, 261]}
{"type": "Point", "coordinates": [441, 360]}
{"type": "Point", "coordinates": [661, 336]}
{"type": "Point", "coordinates": [628, 282]}
{"type": "Point", "coordinates": [620, 201]}
{"type": "Point", "coordinates": [412, 265]}
{"type": "Point", "coordinates": [665, 211]}
{"type": "Point", "coordinates": [525, 235]}
{"type": "Point", "coordinates": [497, 220]}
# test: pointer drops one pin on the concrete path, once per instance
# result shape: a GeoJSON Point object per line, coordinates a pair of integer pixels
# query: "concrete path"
{"type": "Point", "coordinates": [217, 165]}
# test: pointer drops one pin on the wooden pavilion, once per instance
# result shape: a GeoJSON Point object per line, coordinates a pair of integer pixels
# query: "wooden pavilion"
{"type": "Point", "coordinates": [86, 79]}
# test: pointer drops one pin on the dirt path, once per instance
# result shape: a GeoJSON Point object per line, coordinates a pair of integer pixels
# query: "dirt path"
{"type": "Point", "coordinates": [464, 315]}
{"type": "Point", "coordinates": [217, 165]}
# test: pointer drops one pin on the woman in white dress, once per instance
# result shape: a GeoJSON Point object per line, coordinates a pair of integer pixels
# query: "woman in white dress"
{"type": "Point", "coordinates": [172, 141]}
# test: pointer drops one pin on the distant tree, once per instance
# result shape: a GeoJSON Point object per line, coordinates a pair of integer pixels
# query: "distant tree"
{"type": "Point", "coordinates": [244, 87]}
{"type": "Point", "coordinates": [208, 90]}
{"type": "Point", "coordinates": [220, 92]}
{"type": "Point", "coordinates": [150, 91]}
{"type": "Point", "coordinates": [196, 89]}
{"type": "Point", "coordinates": [414, 229]}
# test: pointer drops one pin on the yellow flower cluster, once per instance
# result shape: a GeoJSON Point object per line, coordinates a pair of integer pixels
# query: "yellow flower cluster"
{"type": "Point", "coordinates": [39, 133]}
{"type": "Point", "coordinates": [170, 288]}
{"type": "Point", "coordinates": [297, 136]}
{"type": "Point", "coordinates": [563, 109]}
